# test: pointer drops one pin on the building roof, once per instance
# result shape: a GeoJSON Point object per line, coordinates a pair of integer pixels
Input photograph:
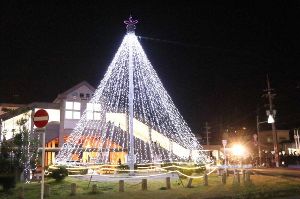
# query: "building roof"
{"type": "Point", "coordinates": [28, 107]}
{"type": "Point", "coordinates": [77, 86]}
{"type": "Point", "coordinates": [6, 107]}
{"type": "Point", "coordinates": [21, 108]}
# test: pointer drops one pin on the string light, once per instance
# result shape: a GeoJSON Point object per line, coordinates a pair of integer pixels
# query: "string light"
{"type": "Point", "coordinates": [113, 168]}
{"type": "Point", "coordinates": [160, 132]}
{"type": "Point", "coordinates": [29, 145]}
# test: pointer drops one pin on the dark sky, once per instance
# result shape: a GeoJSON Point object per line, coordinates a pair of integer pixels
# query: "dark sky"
{"type": "Point", "coordinates": [212, 58]}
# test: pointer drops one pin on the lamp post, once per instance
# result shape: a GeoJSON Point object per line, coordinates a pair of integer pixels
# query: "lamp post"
{"type": "Point", "coordinates": [274, 134]}
{"type": "Point", "coordinates": [271, 114]}
{"type": "Point", "coordinates": [0, 134]}
{"type": "Point", "coordinates": [224, 142]}
{"type": "Point", "coordinates": [296, 138]}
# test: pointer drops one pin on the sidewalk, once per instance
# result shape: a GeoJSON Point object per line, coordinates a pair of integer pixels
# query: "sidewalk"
{"type": "Point", "coordinates": [294, 167]}
{"type": "Point", "coordinates": [280, 171]}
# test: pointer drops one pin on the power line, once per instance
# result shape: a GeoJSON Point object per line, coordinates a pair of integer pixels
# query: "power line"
{"type": "Point", "coordinates": [240, 52]}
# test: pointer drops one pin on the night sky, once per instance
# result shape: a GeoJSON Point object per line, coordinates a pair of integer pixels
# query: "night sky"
{"type": "Point", "coordinates": [213, 58]}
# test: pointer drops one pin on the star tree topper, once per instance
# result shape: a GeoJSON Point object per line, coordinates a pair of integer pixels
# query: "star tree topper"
{"type": "Point", "coordinates": [130, 24]}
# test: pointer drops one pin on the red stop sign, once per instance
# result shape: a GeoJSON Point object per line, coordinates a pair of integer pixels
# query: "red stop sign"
{"type": "Point", "coordinates": [40, 118]}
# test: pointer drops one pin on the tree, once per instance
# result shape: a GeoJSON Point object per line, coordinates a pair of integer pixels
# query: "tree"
{"type": "Point", "coordinates": [21, 150]}
{"type": "Point", "coordinates": [26, 145]}
{"type": "Point", "coordinates": [7, 169]}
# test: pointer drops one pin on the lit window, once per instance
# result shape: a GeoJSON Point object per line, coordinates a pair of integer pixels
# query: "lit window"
{"type": "Point", "coordinates": [69, 105]}
{"type": "Point", "coordinates": [96, 116]}
{"type": "Point", "coordinates": [72, 110]}
{"type": "Point", "coordinates": [96, 107]}
{"type": "Point", "coordinates": [69, 114]}
{"type": "Point", "coordinates": [89, 106]}
{"type": "Point", "coordinates": [76, 115]}
{"type": "Point", "coordinates": [89, 115]}
{"type": "Point", "coordinates": [76, 106]}
{"type": "Point", "coordinates": [93, 111]}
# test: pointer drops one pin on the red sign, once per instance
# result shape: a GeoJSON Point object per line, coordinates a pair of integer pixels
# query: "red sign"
{"type": "Point", "coordinates": [40, 118]}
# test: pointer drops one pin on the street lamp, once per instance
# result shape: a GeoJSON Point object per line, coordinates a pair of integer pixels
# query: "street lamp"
{"type": "Point", "coordinates": [270, 120]}
{"type": "Point", "coordinates": [271, 115]}
{"type": "Point", "coordinates": [224, 142]}
{"type": "Point", "coordinates": [0, 134]}
{"type": "Point", "coordinates": [239, 151]}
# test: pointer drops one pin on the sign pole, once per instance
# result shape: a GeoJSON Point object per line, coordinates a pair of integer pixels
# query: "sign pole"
{"type": "Point", "coordinates": [40, 120]}
{"type": "Point", "coordinates": [225, 160]}
{"type": "Point", "coordinates": [43, 163]}
{"type": "Point", "coordinates": [224, 142]}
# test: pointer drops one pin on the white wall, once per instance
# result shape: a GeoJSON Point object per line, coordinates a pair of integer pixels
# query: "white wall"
{"type": "Point", "coordinates": [10, 127]}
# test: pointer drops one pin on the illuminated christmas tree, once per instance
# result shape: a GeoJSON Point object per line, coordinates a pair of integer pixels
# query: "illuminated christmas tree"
{"type": "Point", "coordinates": [131, 118]}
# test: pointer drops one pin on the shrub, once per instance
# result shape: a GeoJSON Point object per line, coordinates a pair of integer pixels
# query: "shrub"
{"type": "Point", "coordinates": [123, 167]}
{"type": "Point", "coordinates": [60, 173]}
{"type": "Point", "coordinates": [7, 174]}
{"type": "Point", "coordinates": [7, 181]}
{"type": "Point", "coordinates": [83, 171]}
{"type": "Point", "coordinates": [6, 166]}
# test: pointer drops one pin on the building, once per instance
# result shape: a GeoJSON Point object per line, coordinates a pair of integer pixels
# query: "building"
{"type": "Point", "coordinates": [4, 107]}
{"type": "Point", "coordinates": [64, 112]}
{"type": "Point", "coordinates": [283, 139]}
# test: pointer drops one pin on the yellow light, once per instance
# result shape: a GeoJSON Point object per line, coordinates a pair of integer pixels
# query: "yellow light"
{"type": "Point", "coordinates": [238, 150]}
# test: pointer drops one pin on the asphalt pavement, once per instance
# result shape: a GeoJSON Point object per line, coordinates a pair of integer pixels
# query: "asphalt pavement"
{"type": "Point", "coordinates": [281, 171]}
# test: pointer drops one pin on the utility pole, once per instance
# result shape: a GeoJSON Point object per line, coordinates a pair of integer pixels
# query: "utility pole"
{"type": "Point", "coordinates": [207, 132]}
{"type": "Point", "coordinates": [0, 134]}
{"type": "Point", "coordinates": [272, 112]}
{"type": "Point", "coordinates": [258, 137]}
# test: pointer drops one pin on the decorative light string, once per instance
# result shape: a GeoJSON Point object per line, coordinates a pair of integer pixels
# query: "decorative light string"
{"type": "Point", "coordinates": [160, 132]}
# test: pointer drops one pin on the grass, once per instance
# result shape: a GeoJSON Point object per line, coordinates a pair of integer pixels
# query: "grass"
{"type": "Point", "coordinates": [261, 187]}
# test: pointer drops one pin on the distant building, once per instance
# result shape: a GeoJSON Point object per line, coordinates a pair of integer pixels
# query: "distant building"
{"type": "Point", "coordinates": [266, 140]}
{"type": "Point", "coordinates": [64, 112]}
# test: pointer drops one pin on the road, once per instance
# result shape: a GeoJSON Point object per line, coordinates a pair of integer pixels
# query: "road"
{"type": "Point", "coordinates": [287, 172]}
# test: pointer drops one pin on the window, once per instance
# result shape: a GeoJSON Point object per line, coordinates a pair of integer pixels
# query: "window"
{"type": "Point", "coordinates": [93, 111]}
{"type": "Point", "coordinates": [87, 95]}
{"type": "Point", "coordinates": [81, 95]}
{"type": "Point", "coordinates": [72, 110]}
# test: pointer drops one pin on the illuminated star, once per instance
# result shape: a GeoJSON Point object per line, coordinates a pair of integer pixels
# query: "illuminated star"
{"type": "Point", "coordinates": [130, 21]}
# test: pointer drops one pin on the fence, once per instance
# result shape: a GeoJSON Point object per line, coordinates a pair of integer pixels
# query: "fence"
{"type": "Point", "coordinates": [143, 183]}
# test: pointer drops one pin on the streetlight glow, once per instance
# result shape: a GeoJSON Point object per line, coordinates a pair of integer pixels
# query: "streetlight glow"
{"type": "Point", "coordinates": [238, 150]}
{"type": "Point", "coordinates": [271, 119]}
